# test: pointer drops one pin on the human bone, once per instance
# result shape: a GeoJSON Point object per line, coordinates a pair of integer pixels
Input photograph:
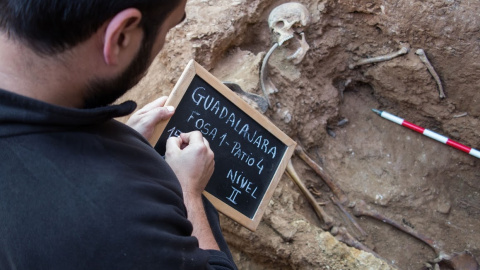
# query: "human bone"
{"type": "Point", "coordinates": [288, 21]}
{"type": "Point", "coordinates": [300, 53]}
{"type": "Point", "coordinates": [424, 59]}
{"type": "Point", "coordinates": [402, 51]}
{"type": "Point", "coordinates": [266, 84]}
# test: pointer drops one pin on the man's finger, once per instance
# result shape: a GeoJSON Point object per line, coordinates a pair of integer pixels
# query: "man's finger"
{"type": "Point", "coordinates": [175, 142]}
{"type": "Point", "coordinates": [205, 141]}
{"type": "Point", "coordinates": [159, 102]}
{"type": "Point", "coordinates": [192, 137]}
{"type": "Point", "coordinates": [158, 114]}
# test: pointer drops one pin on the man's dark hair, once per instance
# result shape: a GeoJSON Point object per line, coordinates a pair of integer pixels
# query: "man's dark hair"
{"type": "Point", "coordinates": [52, 26]}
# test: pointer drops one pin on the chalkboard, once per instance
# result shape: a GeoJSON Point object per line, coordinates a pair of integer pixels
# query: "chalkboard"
{"type": "Point", "coordinates": [250, 152]}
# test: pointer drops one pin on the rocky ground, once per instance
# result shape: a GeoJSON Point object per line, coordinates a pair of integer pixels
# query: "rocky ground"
{"type": "Point", "coordinates": [326, 107]}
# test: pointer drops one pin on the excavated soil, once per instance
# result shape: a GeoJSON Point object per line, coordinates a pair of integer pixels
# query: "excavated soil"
{"type": "Point", "coordinates": [326, 107]}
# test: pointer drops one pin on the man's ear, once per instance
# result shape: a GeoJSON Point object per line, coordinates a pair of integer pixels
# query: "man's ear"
{"type": "Point", "coordinates": [120, 33]}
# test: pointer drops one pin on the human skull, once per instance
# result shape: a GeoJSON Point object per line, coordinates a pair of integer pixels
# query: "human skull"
{"type": "Point", "coordinates": [288, 21]}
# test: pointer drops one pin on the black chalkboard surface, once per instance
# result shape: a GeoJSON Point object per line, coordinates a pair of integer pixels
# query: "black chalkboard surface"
{"type": "Point", "coordinates": [250, 152]}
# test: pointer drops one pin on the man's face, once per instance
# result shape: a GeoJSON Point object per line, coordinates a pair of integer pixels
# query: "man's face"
{"type": "Point", "coordinates": [102, 92]}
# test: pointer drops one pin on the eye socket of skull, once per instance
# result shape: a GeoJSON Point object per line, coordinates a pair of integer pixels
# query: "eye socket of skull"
{"type": "Point", "coordinates": [279, 24]}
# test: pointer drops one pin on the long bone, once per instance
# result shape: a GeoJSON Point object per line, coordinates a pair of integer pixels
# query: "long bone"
{"type": "Point", "coordinates": [402, 51]}
{"type": "Point", "coordinates": [320, 212]}
{"type": "Point", "coordinates": [423, 57]}
{"type": "Point", "coordinates": [458, 261]}
{"type": "Point", "coordinates": [321, 172]}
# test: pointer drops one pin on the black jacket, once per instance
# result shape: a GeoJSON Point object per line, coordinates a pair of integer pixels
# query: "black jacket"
{"type": "Point", "coordinates": [79, 190]}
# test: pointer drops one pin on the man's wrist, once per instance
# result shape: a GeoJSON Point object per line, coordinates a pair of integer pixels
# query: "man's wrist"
{"type": "Point", "coordinates": [192, 196]}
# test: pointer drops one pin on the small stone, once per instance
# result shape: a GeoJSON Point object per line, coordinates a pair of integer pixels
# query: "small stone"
{"type": "Point", "coordinates": [444, 208]}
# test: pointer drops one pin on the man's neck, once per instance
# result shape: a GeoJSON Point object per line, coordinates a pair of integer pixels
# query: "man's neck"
{"type": "Point", "coordinates": [45, 78]}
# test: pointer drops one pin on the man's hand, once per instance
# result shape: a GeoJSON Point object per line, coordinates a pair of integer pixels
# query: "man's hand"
{"type": "Point", "coordinates": [191, 158]}
{"type": "Point", "coordinates": [145, 119]}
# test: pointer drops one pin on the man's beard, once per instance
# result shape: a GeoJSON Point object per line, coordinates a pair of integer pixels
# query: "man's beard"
{"type": "Point", "coordinates": [102, 92]}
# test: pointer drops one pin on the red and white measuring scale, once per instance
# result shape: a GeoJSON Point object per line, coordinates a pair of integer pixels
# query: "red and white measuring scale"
{"type": "Point", "coordinates": [428, 133]}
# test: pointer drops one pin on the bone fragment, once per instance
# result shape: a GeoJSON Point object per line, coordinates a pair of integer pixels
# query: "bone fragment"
{"type": "Point", "coordinates": [354, 222]}
{"type": "Point", "coordinates": [402, 51]}
{"type": "Point", "coordinates": [423, 57]}
{"type": "Point", "coordinates": [322, 173]}
{"type": "Point", "coordinates": [265, 83]}
{"type": "Point", "coordinates": [342, 122]}
{"type": "Point", "coordinates": [331, 133]}
{"type": "Point", "coordinates": [320, 212]}
{"type": "Point", "coordinates": [460, 115]}
{"type": "Point", "coordinates": [314, 191]}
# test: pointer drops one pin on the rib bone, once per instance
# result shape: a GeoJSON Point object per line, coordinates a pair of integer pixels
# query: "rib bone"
{"type": "Point", "coordinates": [402, 51]}
{"type": "Point", "coordinates": [423, 57]}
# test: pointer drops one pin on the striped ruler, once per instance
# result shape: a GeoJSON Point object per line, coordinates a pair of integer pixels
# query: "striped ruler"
{"type": "Point", "coordinates": [428, 133]}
